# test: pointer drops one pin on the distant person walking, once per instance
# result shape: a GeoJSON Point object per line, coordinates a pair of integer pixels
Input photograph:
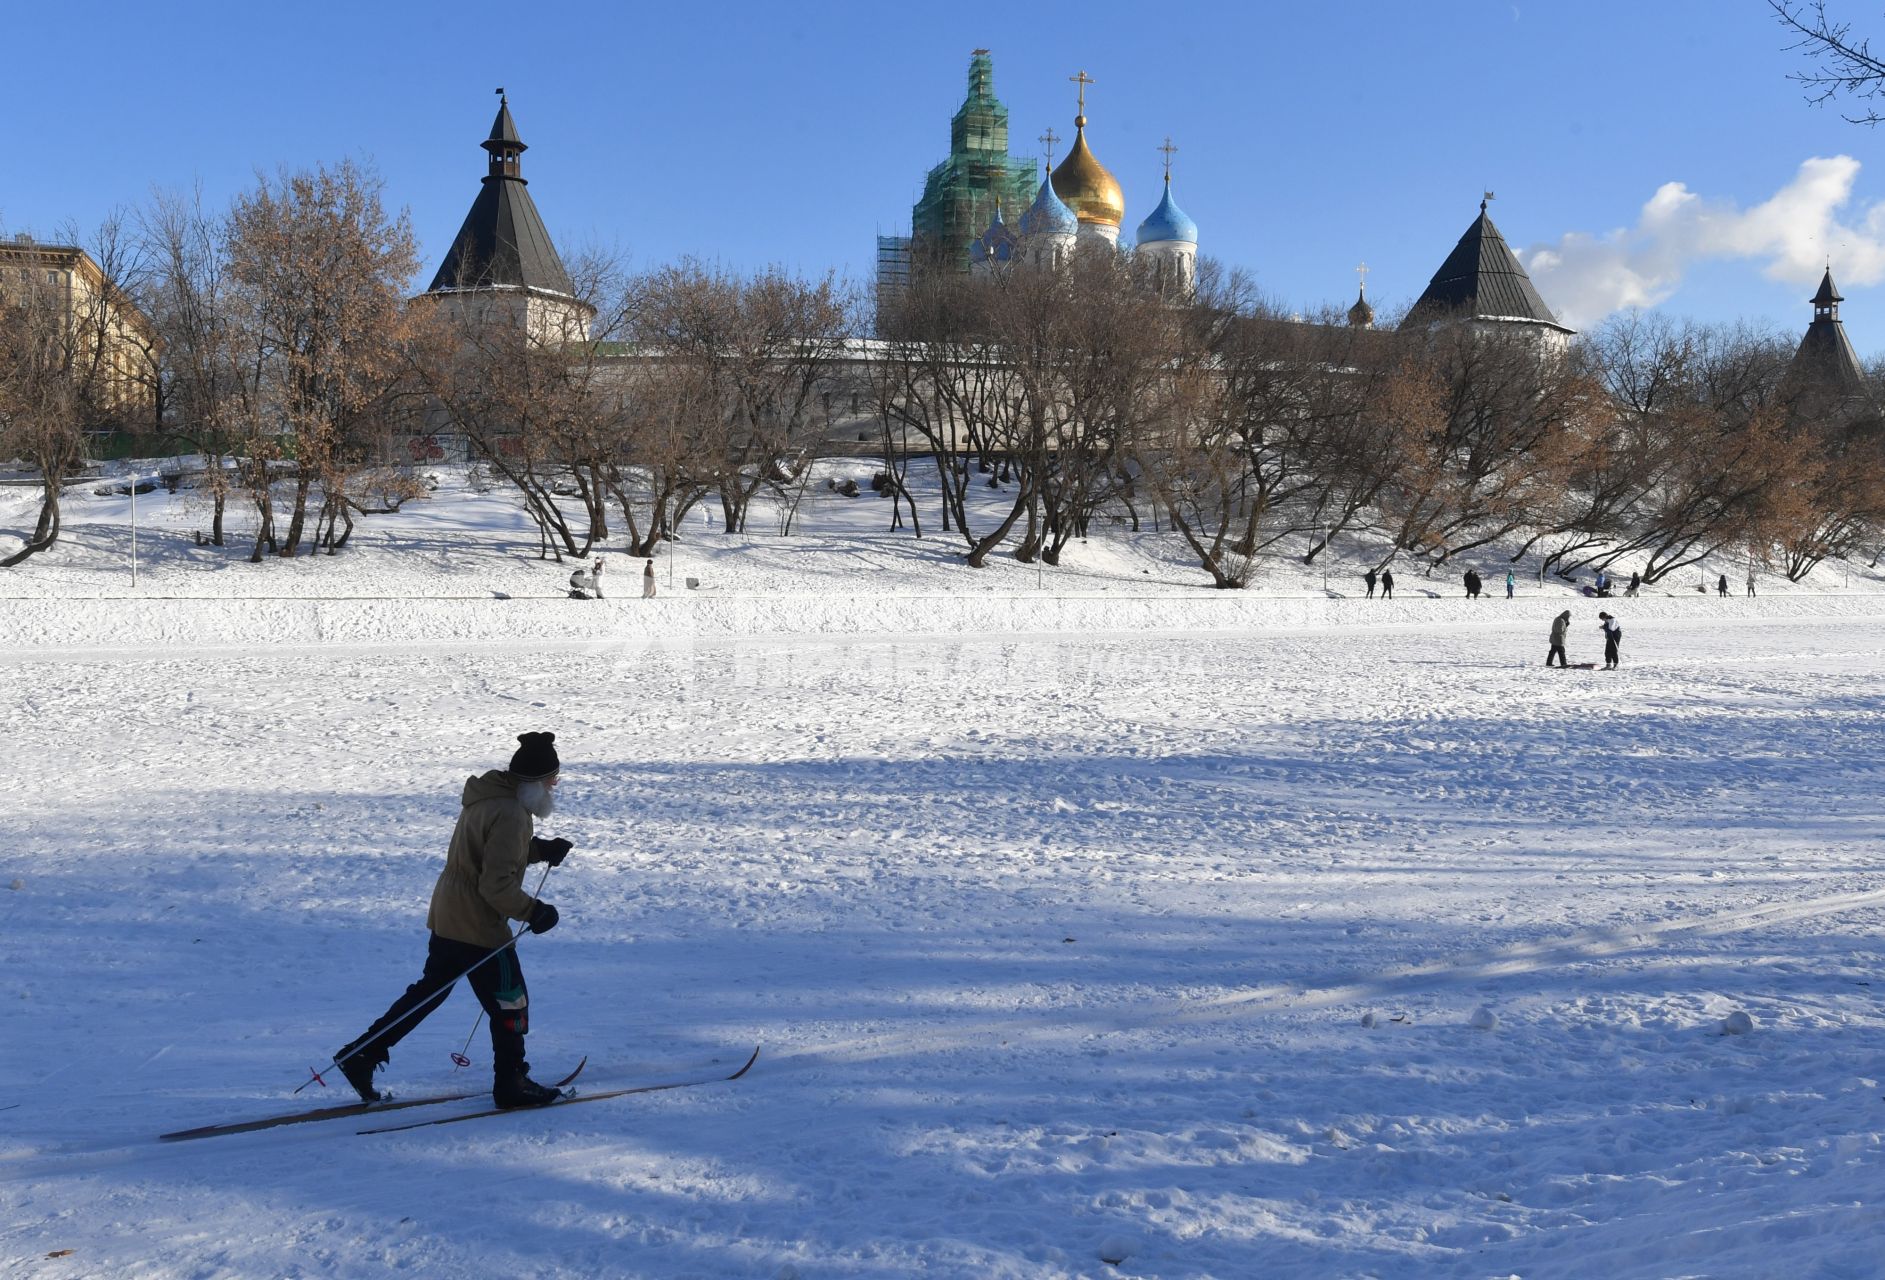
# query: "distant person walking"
{"type": "Point", "coordinates": [1511, 581]}
{"type": "Point", "coordinates": [1387, 584]}
{"type": "Point", "coordinates": [1368, 578]}
{"type": "Point", "coordinates": [1750, 584]}
{"type": "Point", "coordinates": [1613, 636]}
{"type": "Point", "coordinates": [1636, 581]}
{"type": "Point", "coordinates": [1721, 586]}
{"type": "Point", "coordinates": [1560, 625]}
{"type": "Point", "coordinates": [1473, 585]}
{"type": "Point", "coordinates": [648, 581]}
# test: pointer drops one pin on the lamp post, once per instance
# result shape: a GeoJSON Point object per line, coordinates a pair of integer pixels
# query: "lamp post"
{"type": "Point", "coordinates": [134, 479]}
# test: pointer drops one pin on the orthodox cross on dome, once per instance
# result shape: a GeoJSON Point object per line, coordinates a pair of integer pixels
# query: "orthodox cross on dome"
{"type": "Point", "coordinates": [1048, 140]}
{"type": "Point", "coordinates": [1082, 79]}
{"type": "Point", "coordinates": [1169, 151]}
{"type": "Point", "coordinates": [1362, 271]}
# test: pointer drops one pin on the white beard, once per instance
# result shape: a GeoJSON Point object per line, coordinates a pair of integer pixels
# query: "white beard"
{"type": "Point", "coordinates": [537, 798]}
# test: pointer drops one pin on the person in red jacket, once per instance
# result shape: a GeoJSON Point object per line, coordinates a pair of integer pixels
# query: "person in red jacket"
{"type": "Point", "coordinates": [478, 893]}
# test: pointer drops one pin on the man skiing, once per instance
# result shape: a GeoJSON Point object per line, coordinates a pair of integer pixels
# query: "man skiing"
{"type": "Point", "coordinates": [480, 890]}
{"type": "Point", "coordinates": [1559, 626]}
{"type": "Point", "coordinates": [1613, 636]}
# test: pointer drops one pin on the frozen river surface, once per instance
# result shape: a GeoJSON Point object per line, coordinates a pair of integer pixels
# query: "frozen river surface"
{"type": "Point", "coordinates": [1163, 948]}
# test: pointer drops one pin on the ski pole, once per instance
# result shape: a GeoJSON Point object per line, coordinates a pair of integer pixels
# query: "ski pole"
{"type": "Point", "coordinates": [314, 1077]}
{"type": "Point", "coordinates": [459, 1059]}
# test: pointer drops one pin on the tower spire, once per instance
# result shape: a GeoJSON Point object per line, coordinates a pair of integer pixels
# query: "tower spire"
{"type": "Point", "coordinates": [1082, 79]}
{"type": "Point", "coordinates": [504, 144]}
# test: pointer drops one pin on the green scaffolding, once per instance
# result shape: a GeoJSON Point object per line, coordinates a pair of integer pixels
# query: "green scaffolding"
{"type": "Point", "coordinates": [960, 194]}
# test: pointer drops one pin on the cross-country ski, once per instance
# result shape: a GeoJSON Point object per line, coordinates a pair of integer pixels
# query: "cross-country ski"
{"type": "Point", "coordinates": [570, 1099]}
{"type": "Point", "coordinates": [336, 1112]}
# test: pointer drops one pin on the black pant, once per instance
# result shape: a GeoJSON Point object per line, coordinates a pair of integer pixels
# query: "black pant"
{"type": "Point", "coordinates": [1557, 651]}
{"type": "Point", "coordinates": [498, 983]}
{"type": "Point", "coordinates": [1610, 652]}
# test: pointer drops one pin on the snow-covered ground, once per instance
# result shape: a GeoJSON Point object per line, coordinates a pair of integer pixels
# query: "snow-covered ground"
{"type": "Point", "coordinates": [1164, 941]}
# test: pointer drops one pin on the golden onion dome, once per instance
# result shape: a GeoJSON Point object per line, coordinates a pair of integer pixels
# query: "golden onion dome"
{"type": "Point", "coordinates": [1083, 183]}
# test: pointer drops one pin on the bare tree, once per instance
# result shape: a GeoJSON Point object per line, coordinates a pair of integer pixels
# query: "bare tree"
{"type": "Point", "coordinates": [318, 271]}
{"type": "Point", "coordinates": [74, 359]}
{"type": "Point", "coordinates": [761, 348]}
{"type": "Point", "coordinates": [669, 447]}
{"type": "Point", "coordinates": [530, 388]}
{"type": "Point", "coordinates": [188, 300]}
{"type": "Point", "coordinates": [1842, 63]}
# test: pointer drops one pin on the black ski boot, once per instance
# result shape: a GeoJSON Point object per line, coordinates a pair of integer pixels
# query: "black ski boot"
{"type": "Point", "coordinates": [358, 1065]}
{"type": "Point", "coordinates": [516, 1089]}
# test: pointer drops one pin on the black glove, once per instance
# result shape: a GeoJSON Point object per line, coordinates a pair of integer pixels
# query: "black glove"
{"type": "Point", "coordinates": [550, 851]}
{"type": "Point", "coordinates": [542, 918]}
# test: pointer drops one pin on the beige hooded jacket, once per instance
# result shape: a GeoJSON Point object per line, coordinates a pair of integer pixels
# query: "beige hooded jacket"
{"type": "Point", "coordinates": [484, 868]}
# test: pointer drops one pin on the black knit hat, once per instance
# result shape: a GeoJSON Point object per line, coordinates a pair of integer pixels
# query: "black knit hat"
{"type": "Point", "coordinates": [536, 758]}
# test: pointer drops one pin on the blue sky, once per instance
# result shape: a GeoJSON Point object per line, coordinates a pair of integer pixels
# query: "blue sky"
{"type": "Point", "coordinates": [1641, 152]}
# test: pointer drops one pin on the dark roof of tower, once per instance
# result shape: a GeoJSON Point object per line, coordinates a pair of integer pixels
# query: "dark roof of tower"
{"type": "Point", "coordinates": [503, 242]}
{"type": "Point", "coordinates": [1481, 278]}
{"type": "Point", "coordinates": [1827, 293]}
{"type": "Point", "coordinates": [1825, 356]}
{"type": "Point", "coordinates": [504, 129]}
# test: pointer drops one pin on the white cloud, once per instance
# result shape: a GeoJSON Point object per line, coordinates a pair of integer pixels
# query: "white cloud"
{"type": "Point", "coordinates": [1585, 277]}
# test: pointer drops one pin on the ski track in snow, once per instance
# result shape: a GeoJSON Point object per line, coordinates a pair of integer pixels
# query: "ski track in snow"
{"type": "Point", "coordinates": [1048, 941]}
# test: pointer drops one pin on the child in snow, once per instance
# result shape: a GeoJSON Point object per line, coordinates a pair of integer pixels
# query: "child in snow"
{"type": "Point", "coordinates": [477, 892]}
{"type": "Point", "coordinates": [1613, 636]}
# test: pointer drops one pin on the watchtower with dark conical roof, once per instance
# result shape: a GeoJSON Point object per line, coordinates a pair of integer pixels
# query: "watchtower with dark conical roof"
{"type": "Point", "coordinates": [1481, 281]}
{"type": "Point", "coordinates": [503, 254]}
{"type": "Point", "coordinates": [1825, 359]}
